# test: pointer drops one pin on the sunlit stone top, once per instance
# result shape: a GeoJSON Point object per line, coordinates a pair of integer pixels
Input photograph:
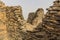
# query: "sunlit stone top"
{"type": "Point", "coordinates": [55, 6]}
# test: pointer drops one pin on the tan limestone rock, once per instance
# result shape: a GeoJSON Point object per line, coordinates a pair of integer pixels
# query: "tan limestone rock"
{"type": "Point", "coordinates": [39, 16]}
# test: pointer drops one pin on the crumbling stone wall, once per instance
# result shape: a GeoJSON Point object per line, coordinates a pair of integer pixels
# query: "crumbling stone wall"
{"type": "Point", "coordinates": [37, 27]}
{"type": "Point", "coordinates": [36, 17]}
{"type": "Point", "coordinates": [10, 21]}
{"type": "Point", "coordinates": [15, 27]}
{"type": "Point", "coordinates": [14, 16]}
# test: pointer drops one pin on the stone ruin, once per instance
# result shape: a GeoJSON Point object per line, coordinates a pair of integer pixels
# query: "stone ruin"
{"type": "Point", "coordinates": [38, 26]}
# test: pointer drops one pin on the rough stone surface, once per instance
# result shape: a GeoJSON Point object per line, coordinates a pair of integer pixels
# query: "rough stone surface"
{"type": "Point", "coordinates": [30, 17]}
{"type": "Point", "coordinates": [37, 27]}
{"type": "Point", "coordinates": [36, 17]}
{"type": "Point", "coordinates": [51, 22]}
{"type": "Point", "coordinates": [39, 14]}
{"type": "Point", "coordinates": [10, 22]}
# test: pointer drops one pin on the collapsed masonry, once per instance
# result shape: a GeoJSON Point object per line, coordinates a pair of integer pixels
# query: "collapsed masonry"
{"type": "Point", "coordinates": [50, 27]}
{"type": "Point", "coordinates": [51, 22]}
{"type": "Point", "coordinates": [37, 27]}
{"type": "Point", "coordinates": [12, 24]}
{"type": "Point", "coordinates": [35, 18]}
{"type": "Point", "coordinates": [10, 20]}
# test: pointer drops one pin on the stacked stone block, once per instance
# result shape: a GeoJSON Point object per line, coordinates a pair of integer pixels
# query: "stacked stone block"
{"type": "Point", "coordinates": [51, 22]}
